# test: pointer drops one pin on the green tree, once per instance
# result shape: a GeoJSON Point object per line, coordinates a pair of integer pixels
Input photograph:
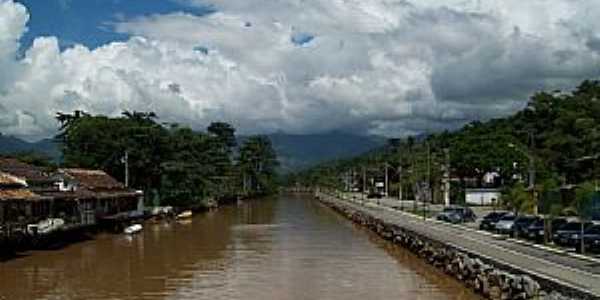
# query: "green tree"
{"type": "Point", "coordinates": [257, 164]}
{"type": "Point", "coordinates": [518, 199]}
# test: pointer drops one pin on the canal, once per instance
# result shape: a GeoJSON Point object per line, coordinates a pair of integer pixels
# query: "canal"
{"type": "Point", "coordinates": [285, 248]}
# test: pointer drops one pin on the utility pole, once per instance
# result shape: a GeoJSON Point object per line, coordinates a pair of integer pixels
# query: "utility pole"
{"type": "Point", "coordinates": [415, 184]}
{"type": "Point", "coordinates": [429, 190]}
{"type": "Point", "coordinates": [364, 189]}
{"type": "Point", "coordinates": [582, 228]}
{"type": "Point", "coordinates": [532, 171]}
{"type": "Point", "coordinates": [530, 157]}
{"type": "Point", "coordinates": [244, 182]}
{"type": "Point", "coordinates": [126, 168]}
{"type": "Point", "coordinates": [386, 180]}
{"type": "Point", "coordinates": [447, 177]}
{"type": "Point", "coordinates": [400, 187]}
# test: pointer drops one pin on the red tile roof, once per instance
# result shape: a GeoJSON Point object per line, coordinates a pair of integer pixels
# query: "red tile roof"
{"type": "Point", "coordinates": [23, 170]}
{"type": "Point", "coordinates": [8, 180]}
{"type": "Point", "coordinates": [94, 180]}
{"type": "Point", "coordinates": [18, 194]}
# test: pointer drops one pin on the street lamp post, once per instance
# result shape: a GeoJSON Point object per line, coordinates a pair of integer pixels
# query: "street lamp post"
{"type": "Point", "coordinates": [447, 177]}
{"type": "Point", "coordinates": [400, 187]}
{"type": "Point", "coordinates": [429, 190]}
{"type": "Point", "coordinates": [387, 190]}
{"type": "Point", "coordinates": [532, 171]}
{"type": "Point", "coordinates": [364, 185]}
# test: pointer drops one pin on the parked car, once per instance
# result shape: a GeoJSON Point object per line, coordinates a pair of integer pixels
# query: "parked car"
{"type": "Point", "coordinates": [591, 239]}
{"type": "Point", "coordinates": [489, 221]}
{"type": "Point", "coordinates": [506, 223]}
{"type": "Point", "coordinates": [565, 232]}
{"type": "Point", "coordinates": [457, 214]}
{"type": "Point", "coordinates": [522, 223]}
{"type": "Point", "coordinates": [374, 195]}
{"type": "Point", "coordinates": [535, 231]}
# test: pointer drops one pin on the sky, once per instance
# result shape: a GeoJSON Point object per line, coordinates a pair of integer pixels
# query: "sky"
{"type": "Point", "coordinates": [385, 67]}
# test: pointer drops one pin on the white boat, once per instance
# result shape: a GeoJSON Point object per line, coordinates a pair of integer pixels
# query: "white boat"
{"type": "Point", "coordinates": [161, 210]}
{"type": "Point", "coordinates": [184, 215]}
{"type": "Point", "coordinates": [133, 229]}
{"type": "Point", "coordinates": [46, 226]}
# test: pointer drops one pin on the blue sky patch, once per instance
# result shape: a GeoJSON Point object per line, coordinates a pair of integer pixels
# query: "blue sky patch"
{"type": "Point", "coordinates": [302, 38]}
{"type": "Point", "coordinates": [88, 22]}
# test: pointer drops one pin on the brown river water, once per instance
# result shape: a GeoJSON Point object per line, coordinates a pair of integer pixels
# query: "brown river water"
{"type": "Point", "coordinates": [285, 248]}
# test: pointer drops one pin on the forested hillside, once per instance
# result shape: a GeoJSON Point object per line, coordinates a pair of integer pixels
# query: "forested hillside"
{"type": "Point", "coordinates": [557, 135]}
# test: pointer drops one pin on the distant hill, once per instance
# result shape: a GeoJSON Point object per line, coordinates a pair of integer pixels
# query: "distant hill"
{"type": "Point", "coordinates": [295, 151]}
{"type": "Point", "coordinates": [11, 145]}
{"type": "Point", "coordinates": [302, 151]}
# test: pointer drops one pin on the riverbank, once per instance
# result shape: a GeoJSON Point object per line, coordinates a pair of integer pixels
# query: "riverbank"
{"type": "Point", "coordinates": [237, 252]}
{"type": "Point", "coordinates": [62, 237]}
{"type": "Point", "coordinates": [11, 248]}
{"type": "Point", "coordinates": [492, 271]}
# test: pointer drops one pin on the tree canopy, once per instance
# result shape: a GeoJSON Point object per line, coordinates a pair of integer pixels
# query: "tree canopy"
{"type": "Point", "coordinates": [178, 165]}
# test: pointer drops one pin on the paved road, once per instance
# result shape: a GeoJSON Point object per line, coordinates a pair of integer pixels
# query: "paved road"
{"type": "Point", "coordinates": [571, 271]}
{"type": "Point", "coordinates": [480, 212]}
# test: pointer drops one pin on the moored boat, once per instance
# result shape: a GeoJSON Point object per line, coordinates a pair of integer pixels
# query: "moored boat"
{"type": "Point", "coordinates": [185, 215]}
{"type": "Point", "coordinates": [133, 229]}
{"type": "Point", "coordinates": [46, 226]}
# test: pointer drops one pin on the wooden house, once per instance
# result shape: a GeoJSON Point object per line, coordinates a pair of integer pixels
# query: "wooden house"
{"type": "Point", "coordinates": [99, 196]}
{"type": "Point", "coordinates": [38, 179]}
{"type": "Point", "coordinates": [19, 205]}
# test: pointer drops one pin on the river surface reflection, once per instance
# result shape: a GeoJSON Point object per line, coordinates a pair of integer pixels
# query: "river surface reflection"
{"type": "Point", "coordinates": [286, 248]}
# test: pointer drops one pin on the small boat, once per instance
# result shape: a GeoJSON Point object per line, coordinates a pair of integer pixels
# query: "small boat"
{"type": "Point", "coordinates": [46, 226]}
{"type": "Point", "coordinates": [161, 211]}
{"type": "Point", "coordinates": [184, 215]}
{"type": "Point", "coordinates": [133, 229]}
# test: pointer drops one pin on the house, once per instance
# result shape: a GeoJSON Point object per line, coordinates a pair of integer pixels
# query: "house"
{"type": "Point", "coordinates": [38, 179]}
{"type": "Point", "coordinates": [491, 179]}
{"type": "Point", "coordinates": [78, 196]}
{"type": "Point", "coordinates": [19, 205]}
{"type": "Point", "coordinates": [482, 196]}
{"type": "Point", "coordinates": [99, 196]}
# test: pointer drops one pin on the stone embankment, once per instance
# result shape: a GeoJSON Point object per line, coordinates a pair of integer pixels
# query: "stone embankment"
{"type": "Point", "coordinates": [489, 279]}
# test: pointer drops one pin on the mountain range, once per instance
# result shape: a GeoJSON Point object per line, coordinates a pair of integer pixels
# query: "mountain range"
{"type": "Point", "coordinates": [46, 147]}
{"type": "Point", "coordinates": [298, 152]}
{"type": "Point", "coordinates": [295, 151]}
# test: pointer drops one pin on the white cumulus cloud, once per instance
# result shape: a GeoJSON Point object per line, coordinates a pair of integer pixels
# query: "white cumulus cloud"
{"type": "Point", "coordinates": [389, 67]}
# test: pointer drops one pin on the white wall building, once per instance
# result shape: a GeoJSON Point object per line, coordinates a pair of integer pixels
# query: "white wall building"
{"type": "Point", "coordinates": [482, 196]}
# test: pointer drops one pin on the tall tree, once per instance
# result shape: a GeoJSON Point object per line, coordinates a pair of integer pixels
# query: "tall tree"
{"type": "Point", "coordinates": [257, 163]}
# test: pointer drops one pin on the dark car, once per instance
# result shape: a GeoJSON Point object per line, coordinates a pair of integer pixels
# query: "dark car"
{"type": "Point", "coordinates": [490, 220]}
{"type": "Point", "coordinates": [522, 223]}
{"type": "Point", "coordinates": [535, 231]}
{"type": "Point", "coordinates": [457, 214]}
{"type": "Point", "coordinates": [506, 224]}
{"type": "Point", "coordinates": [562, 236]}
{"type": "Point", "coordinates": [591, 237]}
{"type": "Point", "coordinates": [374, 195]}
